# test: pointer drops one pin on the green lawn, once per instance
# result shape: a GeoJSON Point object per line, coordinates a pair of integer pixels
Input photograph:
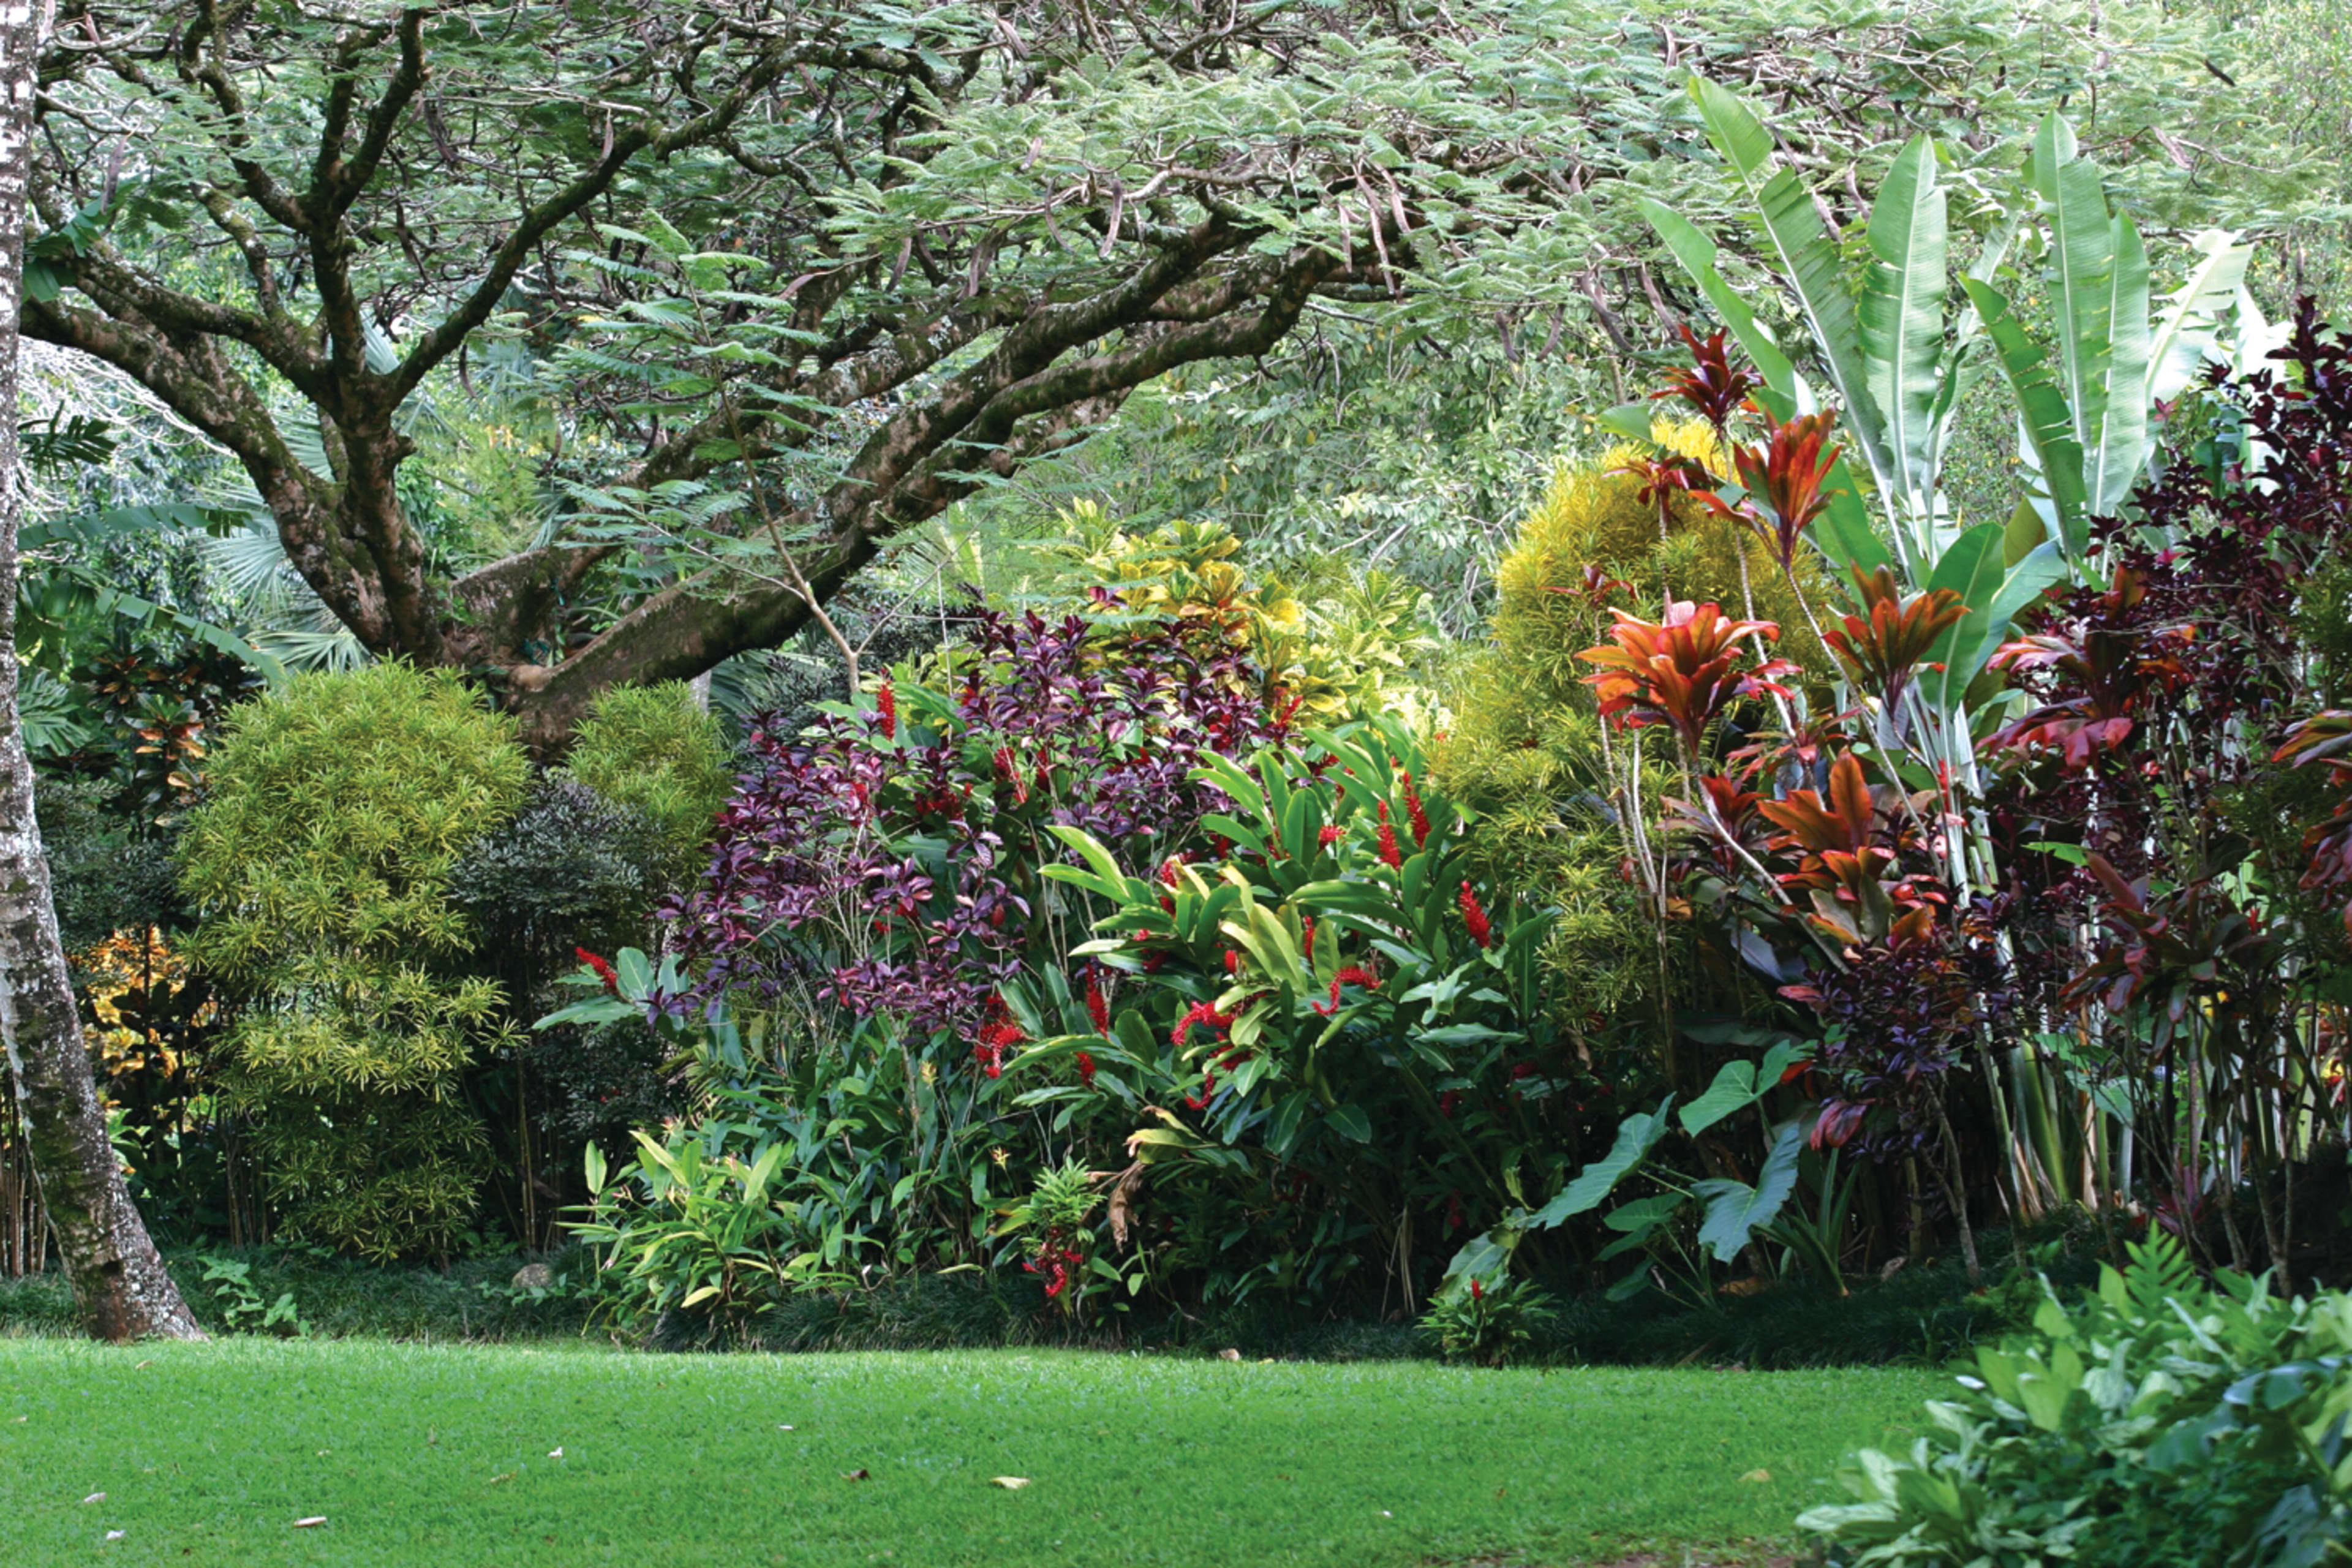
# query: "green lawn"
{"type": "Point", "coordinates": [208, 1454]}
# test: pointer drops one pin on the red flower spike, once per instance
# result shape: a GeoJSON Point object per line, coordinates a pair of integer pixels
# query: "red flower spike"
{"type": "Point", "coordinates": [602, 967]}
{"type": "Point", "coordinates": [1199, 1012]}
{"type": "Point", "coordinates": [1478, 1291]}
{"type": "Point", "coordinates": [1232, 962]}
{"type": "Point", "coordinates": [1413, 813]}
{"type": "Point", "coordinates": [1391, 854]}
{"type": "Point", "coordinates": [1097, 1008]}
{"type": "Point", "coordinates": [886, 701]}
{"type": "Point", "coordinates": [1086, 1069]}
{"type": "Point", "coordinates": [1306, 935]}
{"type": "Point", "coordinates": [1473, 915]}
{"type": "Point", "coordinates": [1354, 974]}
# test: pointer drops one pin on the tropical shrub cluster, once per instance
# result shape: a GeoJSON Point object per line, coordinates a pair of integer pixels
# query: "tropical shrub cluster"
{"type": "Point", "coordinates": [2159, 1420]}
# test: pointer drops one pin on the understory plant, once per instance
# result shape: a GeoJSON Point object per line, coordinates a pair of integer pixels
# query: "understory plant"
{"type": "Point", "coordinates": [2159, 1420]}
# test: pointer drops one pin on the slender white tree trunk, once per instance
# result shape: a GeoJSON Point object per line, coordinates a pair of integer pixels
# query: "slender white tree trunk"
{"type": "Point", "coordinates": [119, 1281]}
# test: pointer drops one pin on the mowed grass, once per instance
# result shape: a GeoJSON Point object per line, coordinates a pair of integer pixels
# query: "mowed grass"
{"type": "Point", "coordinates": [207, 1454]}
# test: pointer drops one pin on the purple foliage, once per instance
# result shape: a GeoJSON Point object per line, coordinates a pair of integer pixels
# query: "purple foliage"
{"type": "Point", "coordinates": [892, 857]}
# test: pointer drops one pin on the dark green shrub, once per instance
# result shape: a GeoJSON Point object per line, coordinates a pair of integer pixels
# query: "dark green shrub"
{"type": "Point", "coordinates": [106, 872]}
{"type": "Point", "coordinates": [320, 863]}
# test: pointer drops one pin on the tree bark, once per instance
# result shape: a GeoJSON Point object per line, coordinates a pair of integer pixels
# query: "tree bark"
{"type": "Point", "coordinates": [119, 1281]}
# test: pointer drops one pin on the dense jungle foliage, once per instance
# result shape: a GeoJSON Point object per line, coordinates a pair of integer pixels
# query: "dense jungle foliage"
{"type": "Point", "coordinates": [1503, 674]}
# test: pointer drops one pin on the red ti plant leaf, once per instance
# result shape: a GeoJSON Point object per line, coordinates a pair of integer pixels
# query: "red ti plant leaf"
{"type": "Point", "coordinates": [1848, 844]}
{"type": "Point", "coordinates": [1596, 587]}
{"type": "Point", "coordinates": [2326, 738]}
{"type": "Point", "coordinates": [1683, 671]}
{"type": "Point", "coordinates": [1665, 476]}
{"type": "Point", "coordinates": [1847, 821]}
{"type": "Point", "coordinates": [2173, 950]}
{"type": "Point", "coordinates": [1713, 384]}
{"type": "Point", "coordinates": [1787, 480]}
{"type": "Point", "coordinates": [1880, 646]}
{"type": "Point", "coordinates": [2100, 674]}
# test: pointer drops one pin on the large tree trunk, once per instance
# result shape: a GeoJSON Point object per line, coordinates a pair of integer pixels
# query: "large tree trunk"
{"type": "Point", "coordinates": [118, 1279]}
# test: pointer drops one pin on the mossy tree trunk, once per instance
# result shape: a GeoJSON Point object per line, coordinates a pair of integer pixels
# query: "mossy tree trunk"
{"type": "Point", "coordinates": [119, 1281]}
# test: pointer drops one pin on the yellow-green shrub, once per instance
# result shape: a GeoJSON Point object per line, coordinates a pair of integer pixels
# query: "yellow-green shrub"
{"type": "Point", "coordinates": [1525, 749]}
{"type": "Point", "coordinates": [319, 864]}
{"type": "Point", "coordinates": [652, 750]}
{"type": "Point", "coordinates": [1355, 651]}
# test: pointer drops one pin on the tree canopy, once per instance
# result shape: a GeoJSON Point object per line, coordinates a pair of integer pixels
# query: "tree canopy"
{"type": "Point", "coordinates": [794, 277]}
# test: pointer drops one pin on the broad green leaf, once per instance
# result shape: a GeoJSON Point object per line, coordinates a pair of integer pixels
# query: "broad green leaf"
{"type": "Point", "coordinates": [2209, 293]}
{"type": "Point", "coordinates": [1644, 1214]}
{"type": "Point", "coordinates": [1901, 318]}
{"type": "Point", "coordinates": [2026, 581]}
{"type": "Point", "coordinates": [1739, 1085]}
{"type": "Point", "coordinates": [1636, 1136]}
{"type": "Point", "coordinates": [1734, 1211]}
{"type": "Point", "coordinates": [2115, 462]}
{"type": "Point", "coordinates": [1698, 253]}
{"type": "Point", "coordinates": [1972, 568]}
{"type": "Point", "coordinates": [2044, 417]}
{"type": "Point", "coordinates": [1808, 259]}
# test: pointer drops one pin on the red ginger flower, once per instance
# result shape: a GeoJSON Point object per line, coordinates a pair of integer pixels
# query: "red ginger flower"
{"type": "Point", "coordinates": [1354, 974]}
{"type": "Point", "coordinates": [1331, 834]}
{"type": "Point", "coordinates": [1478, 1291]}
{"type": "Point", "coordinates": [1097, 1008]}
{"type": "Point", "coordinates": [1413, 813]}
{"type": "Point", "coordinates": [1087, 1070]}
{"type": "Point", "coordinates": [887, 701]}
{"type": "Point", "coordinates": [1389, 853]}
{"type": "Point", "coordinates": [999, 1035]}
{"type": "Point", "coordinates": [602, 967]}
{"type": "Point", "coordinates": [1199, 1012]}
{"type": "Point", "coordinates": [1482, 929]}
{"type": "Point", "coordinates": [1232, 962]}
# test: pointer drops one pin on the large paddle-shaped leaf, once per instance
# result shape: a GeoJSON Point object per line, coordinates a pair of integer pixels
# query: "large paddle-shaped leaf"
{"type": "Point", "coordinates": [1636, 1136]}
{"type": "Point", "coordinates": [2098, 273]}
{"type": "Point", "coordinates": [2044, 419]}
{"type": "Point", "coordinates": [1808, 258]}
{"type": "Point", "coordinates": [1735, 1211]}
{"type": "Point", "coordinates": [1903, 321]}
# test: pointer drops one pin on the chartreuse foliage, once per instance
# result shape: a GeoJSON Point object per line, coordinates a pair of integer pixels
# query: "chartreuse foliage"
{"type": "Point", "coordinates": [1526, 751]}
{"type": "Point", "coordinates": [428, 1456]}
{"type": "Point", "coordinates": [2159, 1420]}
{"type": "Point", "coordinates": [320, 864]}
{"type": "Point", "coordinates": [1357, 651]}
{"type": "Point", "coordinates": [650, 749]}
